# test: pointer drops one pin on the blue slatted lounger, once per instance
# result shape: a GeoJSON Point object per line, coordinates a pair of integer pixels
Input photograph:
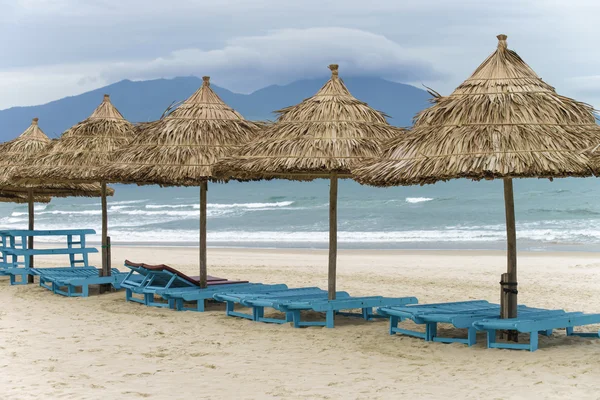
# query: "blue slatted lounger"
{"type": "Point", "coordinates": [150, 281]}
{"type": "Point", "coordinates": [535, 323]}
{"type": "Point", "coordinates": [461, 315]}
{"type": "Point", "coordinates": [257, 301]}
{"type": "Point", "coordinates": [178, 297]}
{"type": "Point", "coordinates": [293, 301]}
{"type": "Point", "coordinates": [45, 275]}
{"type": "Point", "coordinates": [67, 281]}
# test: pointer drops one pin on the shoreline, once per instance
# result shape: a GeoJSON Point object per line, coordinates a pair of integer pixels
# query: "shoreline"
{"type": "Point", "coordinates": [522, 246]}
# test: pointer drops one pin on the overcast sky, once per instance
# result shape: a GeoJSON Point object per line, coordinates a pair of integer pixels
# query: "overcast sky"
{"type": "Point", "coordinates": [56, 48]}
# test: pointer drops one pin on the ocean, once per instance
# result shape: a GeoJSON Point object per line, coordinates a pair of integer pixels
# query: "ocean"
{"type": "Point", "coordinates": [461, 214]}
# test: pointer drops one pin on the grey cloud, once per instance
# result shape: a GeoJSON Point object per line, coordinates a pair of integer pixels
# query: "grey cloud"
{"type": "Point", "coordinates": [248, 63]}
{"type": "Point", "coordinates": [439, 42]}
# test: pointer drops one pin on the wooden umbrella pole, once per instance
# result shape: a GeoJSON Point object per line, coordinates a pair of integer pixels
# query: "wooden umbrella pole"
{"type": "Point", "coordinates": [31, 211]}
{"type": "Point", "coordinates": [105, 267]}
{"type": "Point", "coordinates": [333, 189]}
{"type": "Point", "coordinates": [203, 272]}
{"type": "Point", "coordinates": [509, 281]}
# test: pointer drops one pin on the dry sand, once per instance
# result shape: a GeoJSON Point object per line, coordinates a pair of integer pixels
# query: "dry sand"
{"type": "Point", "coordinates": [102, 347]}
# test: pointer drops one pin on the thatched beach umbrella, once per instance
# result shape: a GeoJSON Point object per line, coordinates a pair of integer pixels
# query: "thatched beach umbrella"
{"type": "Point", "coordinates": [80, 154]}
{"type": "Point", "coordinates": [503, 122]}
{"type": "Point", "coordinates": [17, 154]}
{"type": "Point", "coordinates": [181, 148]}
{"type": "Point", "coordinates": [321, 137]}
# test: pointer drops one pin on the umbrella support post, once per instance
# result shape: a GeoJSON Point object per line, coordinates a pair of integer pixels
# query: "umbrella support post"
{"type": "Point", "coordinates": [333, 190]}
{"type": "Point", "coordinates": [31, 211]}
{"type": "Point", "coordinates": [105, 271]}
{"type": "Point", "coordinates": [203, 268]}
{"type": "Point", "coordinates": [508, 283]}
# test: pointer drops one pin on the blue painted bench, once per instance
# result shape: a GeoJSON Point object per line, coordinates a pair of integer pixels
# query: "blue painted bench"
{"type": "Point", "coordinates": [178, 297]}
{"type": "Point", "coordinates": [535, 323]}
{"type": "Point", "coordinates": [15, 257]}
{"type": "Point", "coordinates": [293, 301]}
{"type": "Point", "coordinates": [66, 282]}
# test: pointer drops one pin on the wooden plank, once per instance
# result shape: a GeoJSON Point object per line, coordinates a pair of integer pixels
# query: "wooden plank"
{"type": "Point", "coordinates": [27, 252]}
{"type": "Point", "coordinates": [203, 267]}
{"type": "Point", "coordinates": [55, 232]}
{"type": "Point", "coordinates": [333, 190]}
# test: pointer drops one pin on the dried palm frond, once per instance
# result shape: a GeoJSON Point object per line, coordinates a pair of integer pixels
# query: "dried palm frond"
{"type": "Point", "coordinates": [502, 122]}
{"type": "Point", "coordinates": [83, 151]}
{"type": "Point", "coordinates": [181, 148]}
{"type": "Point", "coordinates": [326, 133]}
{"type": "Point", "coordinates": [19, 155]}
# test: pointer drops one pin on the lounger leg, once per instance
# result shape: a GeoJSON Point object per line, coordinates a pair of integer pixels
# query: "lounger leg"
{"type": "Point", "coordinates": [289, 316]}
{"type": "Point", "coordinates": [258, 313]}
{"type": "Point", "coordinates": [546, 333]}
{"type": "Point", "coordinates": [200, 306]}
{"type": "Point", "coordinates": [569, 331]}
{"type": "Point", "coordinates": [393, 324]}
{"type": "Point", "coordinates": [171, 303]}
{"type": "Point", "coordinates": [85, 290]}
{"type": "Point", "coordinates": [491, 338]}
{"type": "Point", "coordinates": [229, 306]}
{"type": "Point", "coordinates": [367, 312]}
{"type": "Point", "coordinates": [430, 331]}
{"type": "Point", "coordinates": [533, 341]}
{"type": "Point", "coordinates": [471, 336]}
{"type": "Point", "coordinates": [296, 314]}
{"type": "Point", "coordinates": [178, 304]}
{"type": "Point", "coordinates": [330, 316]}
{"type": "Point", "coordinates": [127, 294]}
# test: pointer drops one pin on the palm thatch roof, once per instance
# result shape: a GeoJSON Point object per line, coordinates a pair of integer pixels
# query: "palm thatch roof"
{"type": "Point", "coordinates": [21, 198]}
{"type": "Point", "coordinates": [328, 132]}
{"type": "Point", "coordinates": [82, 151]}
{"type": "Point", "coordinates": [502, 122]}
{"type": "Point", "coordinates": [181, 148]}
{"type": "Point", "coordinates": [18, 155]}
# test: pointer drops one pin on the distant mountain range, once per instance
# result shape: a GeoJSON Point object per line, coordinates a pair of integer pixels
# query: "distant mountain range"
{"type": "Point", "coordinates": [142, 101]}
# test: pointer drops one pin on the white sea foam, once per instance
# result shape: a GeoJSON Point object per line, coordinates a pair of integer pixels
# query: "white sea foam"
{"type": "Point", "coordinates": [224, 206]}
{"type": "Point", "coordinates": [417, 199]}
{"type": "Point", "coordinates": [274, 237]}
{"type": "Point", "coordinates": [252, 205]}
{"type": "Point", "coordinates": [159, 206]}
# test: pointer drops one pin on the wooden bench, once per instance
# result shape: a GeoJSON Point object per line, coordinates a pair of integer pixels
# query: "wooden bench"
{"type": "Point", "coordinates": [16, 258]}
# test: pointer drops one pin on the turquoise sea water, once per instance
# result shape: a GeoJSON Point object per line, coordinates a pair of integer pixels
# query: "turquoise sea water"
{"type": "Point", "coordinates": [559, 215]}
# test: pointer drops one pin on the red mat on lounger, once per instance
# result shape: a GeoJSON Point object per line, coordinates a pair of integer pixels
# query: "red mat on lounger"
{"type": "Point", "coordinates": [210, 280]}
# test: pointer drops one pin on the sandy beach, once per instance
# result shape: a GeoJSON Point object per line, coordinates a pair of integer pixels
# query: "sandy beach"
{"type": "Point", "coordinates": [102, 347]}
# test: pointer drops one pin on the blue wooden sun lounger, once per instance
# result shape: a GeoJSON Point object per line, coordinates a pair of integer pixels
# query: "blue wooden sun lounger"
{"type": "Point", "coordinates": [257, 301]}
{"type": "Point", "coordinates": [46, 274]}
{"type": "Point", "coordinates": [66, 281]}
{"type": "Point", "coordinates": [178, 297]}
{"type": "Point", "coordinates": [293, 301]}
{"type": "Point", "coordinates": [151, 281]}
{"type": "Point", "coordinates": [534, 323]}
{"type": "Point", "coordinates": [461, 315]}
{"type": "Point", "coordinates": [333, 307]}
